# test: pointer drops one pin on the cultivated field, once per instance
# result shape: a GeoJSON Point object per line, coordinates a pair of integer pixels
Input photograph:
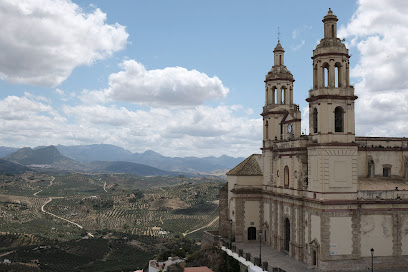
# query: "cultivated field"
{"type": "Point", "coordinates": [71, 207]}
{"type": "Point", "coordinates": [113, 202]}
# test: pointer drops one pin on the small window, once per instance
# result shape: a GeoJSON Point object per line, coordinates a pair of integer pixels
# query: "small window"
{"type": "Point", "coordinates": [386, 172]}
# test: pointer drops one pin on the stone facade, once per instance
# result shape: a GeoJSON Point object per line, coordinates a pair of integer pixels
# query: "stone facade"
{"type": "Point", "coordinates": [329, 197]}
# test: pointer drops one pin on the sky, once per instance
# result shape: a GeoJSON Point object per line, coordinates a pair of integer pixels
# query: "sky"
{"type": "Point", "coordinates": [185, 78]}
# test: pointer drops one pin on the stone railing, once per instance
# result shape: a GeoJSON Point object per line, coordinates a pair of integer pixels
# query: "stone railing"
{"type": "Point", "coordinates": [383, 194]}
{"type": "Point", "coordinates": [210, 238]}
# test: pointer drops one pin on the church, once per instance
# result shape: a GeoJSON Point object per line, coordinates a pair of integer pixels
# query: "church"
{"type": "Point", "coordinates": [329, 199]}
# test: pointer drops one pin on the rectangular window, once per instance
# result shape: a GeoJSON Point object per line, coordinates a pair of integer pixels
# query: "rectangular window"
{"type": "Point", "coordinates": [386, 172]}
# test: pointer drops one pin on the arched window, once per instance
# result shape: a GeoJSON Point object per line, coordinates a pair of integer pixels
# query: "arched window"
{"type": "Point", "coordinates": [274, 95]}
{"type": "Point", "coordinates": [286, 177]}
{"type": "Point", "coordinates": [284, 93]}
{"type": "Point", "coordinates": [339, 119]}
{"type": "Point", "coordinates": [332, 30]}
{"type": "Point", "coordinates": [280, 59]}
{"type": "Point", "coordinates": [338, 77]}
{"type": "Point", "coordinates": [326, 74]}
{"type": "Point", "coordinates": [314, 120]}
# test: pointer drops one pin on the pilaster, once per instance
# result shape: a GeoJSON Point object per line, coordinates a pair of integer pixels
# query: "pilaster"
{"type": "Point", "coordinates": [396, 235]}
{"type": "Point", "coordinates": [325, 236]}
{"type": "Point", "coordinates": [240, 220]}
{"type": "Point", "coordinates": [356, 232]}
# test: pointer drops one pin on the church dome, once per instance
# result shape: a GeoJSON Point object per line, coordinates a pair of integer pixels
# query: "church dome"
{"type": "Point", "coordinates": [330, 34]}
{"type": "Point", "coordinates": [279, 70]}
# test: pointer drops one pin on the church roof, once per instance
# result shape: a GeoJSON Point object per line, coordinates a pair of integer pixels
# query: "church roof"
{"type": "Point", "coordinates": [249, 167]}
{"type": "Point", "coordinates": [278, 48]}
{"type": "Point", "coordinates": [279, 72]}
{"type": "Point", "coordinates": [330, 16]}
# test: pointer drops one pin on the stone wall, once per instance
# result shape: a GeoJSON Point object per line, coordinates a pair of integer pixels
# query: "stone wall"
{"type": "Point", "coordinates": [210, 239]}
{"type": "Point", "coordinates": [224, 227]}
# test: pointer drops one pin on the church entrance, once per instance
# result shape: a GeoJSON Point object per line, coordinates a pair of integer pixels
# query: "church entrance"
{"type": "Point", "coordinates": [287, 234]}
{"type": "Point", "coordinates": [251, 233]}
{"type": "Point", "coordinates": [314, 257]}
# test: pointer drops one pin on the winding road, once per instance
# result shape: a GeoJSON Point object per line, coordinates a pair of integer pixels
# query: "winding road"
{"type": "Point", "coordinates": [49, 200]}
{"type": "Point", "coordinates": [52, 179]}
{"type": "Point", "coordinates": [209, 224]}
{"type": "Point", "coordinates": [59, 217]}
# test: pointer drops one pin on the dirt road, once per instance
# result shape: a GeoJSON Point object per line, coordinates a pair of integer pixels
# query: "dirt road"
{"type": "Point", "coordinates": [209, 224]}
{"type": "Point", "coordinates": [52, 179]}
{"type": "Point", "coordinates": [59, 217]}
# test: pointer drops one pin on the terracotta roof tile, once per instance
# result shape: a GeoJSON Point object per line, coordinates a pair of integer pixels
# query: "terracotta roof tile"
{"type": "Point", "coordinates": [249, 167]}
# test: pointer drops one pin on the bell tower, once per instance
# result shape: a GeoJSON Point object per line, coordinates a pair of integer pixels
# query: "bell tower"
{"type": "Point", "coordinates": [281, 117]}
{"type": "Point", "coordinates": [332, 152]}
{"type": "Point", "coordinates": [331, 101]}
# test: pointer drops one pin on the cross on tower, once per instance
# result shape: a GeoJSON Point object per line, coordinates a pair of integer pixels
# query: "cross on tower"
{"type": "Point", "coordinates": [278, 35]}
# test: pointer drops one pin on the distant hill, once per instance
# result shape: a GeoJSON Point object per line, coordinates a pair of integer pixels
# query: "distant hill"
{"type": "Point", "coordinates": [75, 158]}
{"type": "Point", "coordinates": [106, 152]}
{"type": "Point", "coordinates": [44, 155]}
{"type": "Point", "coordinates": [186, 164]}
{"type": "Point", "coordinates": [95, 152]}
{"type": "Point", "coordinates": [128, 168]}
{"type": "Point", "coordinates": [49, 156]}
{"type": "Point", "coordinates": [7, 167]}
{"type": "Point", "coordinates": [4, 151]}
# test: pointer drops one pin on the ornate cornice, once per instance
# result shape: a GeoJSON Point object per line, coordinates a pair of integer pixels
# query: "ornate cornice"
{"type": "Point", "coordinates": [331, 96]}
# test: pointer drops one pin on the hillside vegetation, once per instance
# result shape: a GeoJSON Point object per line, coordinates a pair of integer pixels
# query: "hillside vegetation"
{"type": "Point", "coordinates": [127, 218]}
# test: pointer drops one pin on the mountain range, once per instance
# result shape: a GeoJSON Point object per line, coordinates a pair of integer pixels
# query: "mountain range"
{"type": "Point", "coordinates": [7, 167]}
{"type": "Point", "coordinates": [111, 158]}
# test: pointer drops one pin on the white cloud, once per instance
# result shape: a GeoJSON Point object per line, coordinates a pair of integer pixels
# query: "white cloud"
{"type": "Point", "coordinates": [60, 92]}
{"type": "Point", "coordinates": [198, 131]}
{"type": "Point", "coordinates": [298, 46]}
{"type": "Point", "coordinates": [42, 41]}
{"type": "Point", "coordinates": [379, 30]}
{"type": "Point", "coordinates": [195, 131]}
{"type": "Point", "coordinates": [294, 34]}
{"type": "Point", "coordinates": [26, 120]}
{"type": "Point", "coordinates": [171, 86]}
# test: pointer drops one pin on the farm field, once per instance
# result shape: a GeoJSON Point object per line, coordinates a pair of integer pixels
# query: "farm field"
{"type": "Point", "coordinates": [75, 207]}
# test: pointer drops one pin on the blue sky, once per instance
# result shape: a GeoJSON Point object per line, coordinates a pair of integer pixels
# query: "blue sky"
{"type": "Point", "coordinates": [183, 77]}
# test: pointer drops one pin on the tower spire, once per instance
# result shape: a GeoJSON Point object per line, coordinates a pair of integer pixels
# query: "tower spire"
{"type": "Point", "coordinates": [278, 35]}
